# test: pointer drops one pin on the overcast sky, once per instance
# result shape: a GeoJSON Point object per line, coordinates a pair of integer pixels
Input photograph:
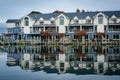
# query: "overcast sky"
{"type": "Point", "coordinates": [12, 9]}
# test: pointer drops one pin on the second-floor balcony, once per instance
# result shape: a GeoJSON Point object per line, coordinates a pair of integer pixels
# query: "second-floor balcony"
{"type": "Point", "coordinates": [49, 29]}
{"type": "Point", "coordinates": [14, 30]}
{"type": "Point", "coordinates": [114, 23]}
{"type": "Point", "coordinates": [114, 28]}
{"type": "Point", "coordinates": [81, 24]}
{"type": "Point", "coordinates": [86, 28]}
{"type": "Point", "coordinates": [44, 25]}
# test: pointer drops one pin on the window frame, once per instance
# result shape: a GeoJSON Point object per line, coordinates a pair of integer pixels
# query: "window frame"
{"type": "Point", "coordinates": [26, 21]}
{"type": "Point", "coordinates": [61, 18]}
{"type": "Point", "coordinates": [100, 19]}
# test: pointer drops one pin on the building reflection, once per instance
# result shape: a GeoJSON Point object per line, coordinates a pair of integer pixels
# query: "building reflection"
{"type": "Point", "coordinates": [66, 59]}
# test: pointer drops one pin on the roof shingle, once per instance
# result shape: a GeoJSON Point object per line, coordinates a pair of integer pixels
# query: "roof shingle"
{"type": "Point", "coordinates": [13, 21]}
{"type": "Point", "coordinates": [81, 15]}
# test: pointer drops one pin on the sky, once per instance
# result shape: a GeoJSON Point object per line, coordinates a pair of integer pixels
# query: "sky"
{"type": "Point", "coordinates": [15, 9]}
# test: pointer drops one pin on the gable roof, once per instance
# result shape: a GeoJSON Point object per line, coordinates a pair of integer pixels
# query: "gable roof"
{"type": "Point", "coordinates": [44, 16]}
{"type": "Point", "coordinates": [13, 21]}
{"type": "Point", "coordinates": [111, 13]}
{"type": "Point", "coordinates": [81, 15]}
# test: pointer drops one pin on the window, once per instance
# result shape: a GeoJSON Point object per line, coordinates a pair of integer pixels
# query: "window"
{"type": "Point", "coordinates": [107, 36]}
{"type": "Point", "coordinates": [52, 22]}
{"type": "Point", "coordinates": [88, 21]}
{"type": "Point", "coordinates": [75, 21]}
{"type": "Point", "coordinates": [100, 19]}
{"type": "Point", "coordinates": [66, 28]}
{"type": "Point", "coordinates": [105, 28]}
{"type": "Point", "coordinates": [26, 21]}
{"type": "Point", "coordinates": [95, 28]}
{"type": "Point", "coordinates": [30, 29]}
{"type": "Point", "coordinates": [41, 22]}
{"type": "Point", "coordinates": [61, 64]}
{"type": "Point", "coordinates": [88, 28]}
{"type": "Point", "coordinates": [57, 29]}
{"type": "Point", "coordinates": [16, 24]}
{"type": "Point", "coordinates": [61, 20]}
{"type": "Point", "coordinates": [22, 29]}
{"type": "Point", "coordinates": [115, 36]}
{"type": "Point", "coordinates": [114, 20]}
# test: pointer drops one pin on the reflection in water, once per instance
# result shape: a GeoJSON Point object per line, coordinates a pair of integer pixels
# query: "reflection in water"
{"type": "Point", "coordinates": [66, 59]}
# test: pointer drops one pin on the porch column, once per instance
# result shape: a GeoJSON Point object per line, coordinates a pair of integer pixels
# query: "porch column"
{"type": "Point", "coordinates": [44, 28]}
{"type": "Point", "coordinates": [80, 27]}
{"type": "Point", "coordinates": [56, 28]}
{"type": "Point", "coordinates": [107, 28]}
{"type": "Point", "coordinates": [68, 29]}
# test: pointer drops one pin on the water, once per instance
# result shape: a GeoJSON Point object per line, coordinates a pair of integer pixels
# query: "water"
{"type": "Point", "coordinates": [3, 28]}
{"type": "Point", "coordinates": [59, 62]}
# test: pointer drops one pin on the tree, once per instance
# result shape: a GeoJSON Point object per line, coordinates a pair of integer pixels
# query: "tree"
{"type": "Point", "coordinates": [44, 34]}
{"type": "Point", "coordinates": [78, 11]}
{"type": "Point", "coordinates": [83, 33]}
{"type": "Point", "coordinates": [53, 34]}
{"type": "Point", "coordinates": [61, 35]}
{"type": "Point", "coordinates": [80, 33]}
{"type": "Point", "coordinates": [35, 12]}
{"type": "Point", "coordinates": [58, 12]}
{"type": "Point", "coordinates": [82, 10]}
{"type": "Point", "coordinates": [100, 34]}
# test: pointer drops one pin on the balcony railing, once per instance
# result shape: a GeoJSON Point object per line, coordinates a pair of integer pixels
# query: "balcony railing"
{"type": "Point", "coordinates": [83, 24]}
{"type": "Point", "coordinates": [42, 25]}
{"type": "Point", "coordinates": [114, 23]}
{"type": "Point", "coordinates": [50, 31]}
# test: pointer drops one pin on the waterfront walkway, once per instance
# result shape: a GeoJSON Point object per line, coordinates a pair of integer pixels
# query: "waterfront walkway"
{"type": "Point", "coordinates": [57, 42]}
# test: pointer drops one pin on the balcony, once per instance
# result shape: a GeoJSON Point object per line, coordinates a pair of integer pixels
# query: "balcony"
{"type": "Point", "coordinates": [115, 23]}
{"type": "Point", "coordinates": [15, 30]}
{"type": "Point", "coordinates": [44, 25]}
{"type": "Point", "coordinates": [50, 31]}
{"type": "Point", "coordinates": [83, 24]}
{"type": "Point", "coordinates": [73, 24]}
{"type": "Point", "coordinates": [114, 28]}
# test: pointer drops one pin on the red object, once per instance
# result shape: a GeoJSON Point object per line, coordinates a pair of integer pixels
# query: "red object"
{"type": "Point", "coordinates": [61, 35]}
{"type": "Point", "coordinates": [100, 34]}
{"type": "Point", "coordinates": [44, 33]}
{"type": "Point", "coordinates": [80, 33]}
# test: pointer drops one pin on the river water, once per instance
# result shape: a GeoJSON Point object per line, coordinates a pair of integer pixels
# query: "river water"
{"type": "Point", "coordinates": [59, 62]}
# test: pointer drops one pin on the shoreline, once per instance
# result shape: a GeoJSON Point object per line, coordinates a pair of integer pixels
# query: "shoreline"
{"type": "Point", "coordinates": [91, 43]}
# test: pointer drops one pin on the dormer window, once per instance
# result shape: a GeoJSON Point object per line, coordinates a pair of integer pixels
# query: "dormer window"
{"type": "Point", "coordinates": [100, 19]}
{"type": "Point", "coordinates": [52, 22]}
{"type": "Point", "coordinates": [61, 20]}
{"type": "Point", "coordinates": [114, 20]}
{"type": "Point", "coordinates": [88, 21]}
{"type": "Point", "coordinates": [26, 21]}
{"type": "Point", "coordinates": [41, 22]}
{"type": "Point", "coordinates": [76, 22]}
{"type": "Point", "coordinates": [16, 24]}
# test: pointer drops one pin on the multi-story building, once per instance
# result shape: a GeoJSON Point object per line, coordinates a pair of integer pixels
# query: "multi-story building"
{"type": "Point", "coordinates": [30, 26]}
